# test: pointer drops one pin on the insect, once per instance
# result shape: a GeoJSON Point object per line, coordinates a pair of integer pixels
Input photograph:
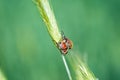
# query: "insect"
{"type": "Point", "coordinates": [64, 45]}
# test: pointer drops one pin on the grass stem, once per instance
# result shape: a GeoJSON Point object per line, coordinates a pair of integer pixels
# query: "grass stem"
{"type": "Point", "coordinates": [66, 66]}
{"type": "Point", "coordinates": [81, 70]}
{"type": "Point", "coordinates": [52, 27]}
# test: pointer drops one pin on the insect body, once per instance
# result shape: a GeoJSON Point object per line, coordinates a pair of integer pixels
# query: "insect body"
{"type": "Point", "coordinates": [64, 45]}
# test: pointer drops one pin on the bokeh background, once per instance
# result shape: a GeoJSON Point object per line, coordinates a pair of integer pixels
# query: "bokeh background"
{"type": "Point", "coordinates": [26, 49]}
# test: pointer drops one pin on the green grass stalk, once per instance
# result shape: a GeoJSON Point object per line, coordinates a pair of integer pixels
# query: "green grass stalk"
{"type": "Point", "coordinates": [66, 66]}
{"type": "Point", "coordinates": [79, 68]}
{"type": "Point", "coordinates": [49, 19]}
{"type": "Point", "coordinates": [52, 27]}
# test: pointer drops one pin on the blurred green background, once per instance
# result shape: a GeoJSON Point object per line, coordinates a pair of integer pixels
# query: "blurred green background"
{"type": "Point", "coordinates": [27, 52]}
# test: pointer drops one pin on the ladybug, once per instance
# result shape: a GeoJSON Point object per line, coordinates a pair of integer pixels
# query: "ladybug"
{"type": "Point", "coordinates": [64, 45]}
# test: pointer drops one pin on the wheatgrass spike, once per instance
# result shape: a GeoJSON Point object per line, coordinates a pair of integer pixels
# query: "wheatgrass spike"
{"type": "Point", "coordinates": [81, 70]}
{"type": "Point", "coordinates": [52, 27]}
{"type": "Point", "coordinates": [49, 19]}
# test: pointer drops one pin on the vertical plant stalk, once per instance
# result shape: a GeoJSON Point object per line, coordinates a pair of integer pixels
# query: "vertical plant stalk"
{"type": "Point", "coordinates": [52, 27]}
{"type": "Point", "coordinates": [82, 72]}
{"type": "Point", "coordinates": [66, 66]}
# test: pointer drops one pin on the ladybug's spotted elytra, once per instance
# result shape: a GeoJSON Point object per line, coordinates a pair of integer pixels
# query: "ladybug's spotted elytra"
{"type": "Point", "coordinates": [64, 45]}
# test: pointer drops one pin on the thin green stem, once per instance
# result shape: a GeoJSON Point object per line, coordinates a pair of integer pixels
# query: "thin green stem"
{"type": "Point", "coordinates": [52, 27]}
{"type": "Point", "coordinates": [81, 70]}
{"type": "Point", "coordinates": [66, 66]}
